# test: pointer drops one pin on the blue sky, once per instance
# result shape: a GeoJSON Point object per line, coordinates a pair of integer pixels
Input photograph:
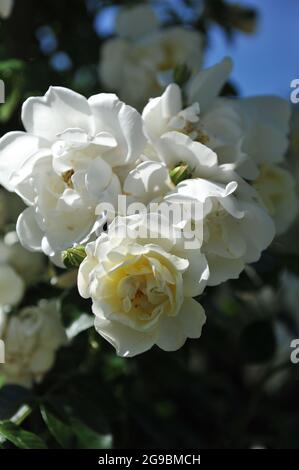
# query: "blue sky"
{"type": "Point", "coordinates": [268, 60]}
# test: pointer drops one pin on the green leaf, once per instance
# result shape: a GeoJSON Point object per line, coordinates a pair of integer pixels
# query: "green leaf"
{"type": "Point", "coordinates": [20, 438]}
{"type": "Point", "coordinates": [14, 65]}
{"type": "Point", "coordinates": [59, 430]}
{"type": "Point", "coordinates": [11, 102]}
{"type": "Point", "coordinates": [89, 439]}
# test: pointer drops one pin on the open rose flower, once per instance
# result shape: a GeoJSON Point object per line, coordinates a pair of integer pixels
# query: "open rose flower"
{"type": "Point", "coordinates": [142, 285]}
{"type": "Point", "coordinates": [277, 189]}
{"type": "Point", "coordinates": [66, 164]}
{"type": "Point", "coordinates": [202, 115]}
{"type": "Point", "coordinates": [243, 132]}
{"type": "Point", "coordinates": [29, 266]}
{"type": "Point", "coordinates": [12, 286]}
{"type": "Point", "coordinates": [188, 172]}
{"type": "Point", "coordinates": [31, 338]}
{"type": "Point", "coordinates": [6, 8]}
{"type": "Point", "coordinates": [250, 133]}
{"type": "Point", "coordinates": [141, 58]}
{"type": "Point", "coordinates": [266, 123]}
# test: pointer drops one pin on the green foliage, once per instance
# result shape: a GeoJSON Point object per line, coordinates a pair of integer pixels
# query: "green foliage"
{"type": "Point", "coordinates": [60, 431]}
{"type": "Point", "coordinates": [75, 434]}
{"type": "Point", "coordinates": [89, 439]}
{"type": "Point", "coordinates": [20, 438]}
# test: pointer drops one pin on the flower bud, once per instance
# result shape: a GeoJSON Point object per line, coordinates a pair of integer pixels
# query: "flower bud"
{"type": "Point", "coordinates": [181, 74]}
{"type": "Point", "coordinates": [73, 257]}
{"type": "Point", "coordinates": [180, 173]}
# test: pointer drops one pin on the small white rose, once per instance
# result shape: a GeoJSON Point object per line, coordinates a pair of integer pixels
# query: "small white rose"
{"type": "Point", "coordinates": [63, 167]}
{"type": "Point", "coordinates": [210, 120]}
{"type": "Point", "coordinates": [141, 59]}
{"type": "Point", "coordinates": [6, 8]}
{"type": "Point", "coordinates": [244, 132]}
{"type": "Point", "coordinates": [136, 21]}
{"type": "Point", "coordinates": [230, 208]}
{"type": "Point", "coordinates": [31, 338]}
{"type": "Point", "coordinates": [276, 187]}
{"type": "Point", "coordinates": [12, 286]}
{"type": "Point", "coordinates": [30, 266]}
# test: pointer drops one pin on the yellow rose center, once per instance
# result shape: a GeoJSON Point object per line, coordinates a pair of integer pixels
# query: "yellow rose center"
{"type": "Point", "coordinates": [141, 289]}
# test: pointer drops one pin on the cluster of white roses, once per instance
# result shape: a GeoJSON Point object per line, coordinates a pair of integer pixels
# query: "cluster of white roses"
{"type": "Point", "coordinates": [29, 336]}
{"type": "Point", "coordinates": [189, 145]}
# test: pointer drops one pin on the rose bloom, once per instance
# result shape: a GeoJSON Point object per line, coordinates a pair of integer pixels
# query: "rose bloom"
{"type": "Point", "coordinates": [142, 285]}
{"type": "Point", "coordinates": [266, 123]}
{"type": "Point", "coordinates": [207, 118]}
{"type": "Point", "coordinates": [277, 189]}
{"type": "Point", "coordinates": [244, 132]}
{"type": "Point", "coordinates": [12, 286]}
{"type": "Point", "coordinates": [66, 164]}
{"type": "Point", "coordinates": [31, 338]}
{"type": "Point", "coordinates": [250, 133]}
{"type": "Point", "coordinates": [6, 8]}
{"type": "Point", "coordinates": [29, 266]}
{"type": "Point", "coordinates": [141, 58]}
{"type": "Point", "coordinates": [236, 228]}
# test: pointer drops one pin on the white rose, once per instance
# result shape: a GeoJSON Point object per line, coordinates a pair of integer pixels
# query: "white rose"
{"type": "Point", "coordinates": [64, 166]}
{"type": "Point", "coordinates": [136, 21]}
{"type": "Point", "coordinates": [30, 266]}
{"type": "Point", "coordinates": [141, 59]}
{"type": "Point", "coordinates": [12, 286]}
{"type": "Point", "coordinates": [208, 119]}
{"type": "Point", "coordinates": [266, 122]}
{"type": "Point", "coordinates": [142, 287]}
{"type": "Point", "coordinates": [6, 8]}
{"type": "Point", "coordinates": [251, 134]}
{"type": "Point", "coordinates": [230, 207]}
{"type": "Point", "coordinates": [31, 339]}
{"type": "Point", "coordinates": [277, 188]}
{"type": "Point", "coordinates": [244, 132]}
